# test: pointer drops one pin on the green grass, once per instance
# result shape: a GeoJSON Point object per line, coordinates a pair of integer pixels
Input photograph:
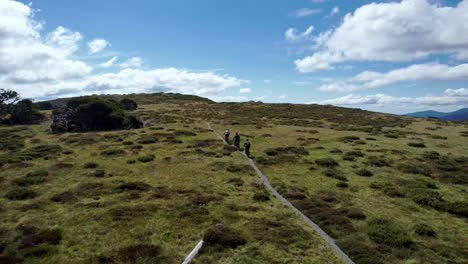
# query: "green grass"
{"type": "Point", "coordinates": [149, 195]}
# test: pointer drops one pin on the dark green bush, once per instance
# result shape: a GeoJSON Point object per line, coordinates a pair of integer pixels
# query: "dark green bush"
{"type": "Point", "coordinates": [92, 114]}
{"type": "Point", "coordinates": [386, 232]}
{"type": "Point", "coordinates": [128, 104]}
{"type": "Point", "coordinates": [378, 161]}
{"type": "Point", "coordinates": [113, 152]}
{"type": "Point", "coordinates": [223, 237]}
{"type": "Point", "coordinates": [342, 185]}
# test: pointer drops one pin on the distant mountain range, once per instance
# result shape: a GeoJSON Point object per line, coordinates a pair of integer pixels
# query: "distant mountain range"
{"type": "Point", "coordinates": [459, 115]}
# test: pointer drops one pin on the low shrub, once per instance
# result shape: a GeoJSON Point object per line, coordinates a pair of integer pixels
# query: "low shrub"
{"type": "Point", "coordinates": [236, 181]}
{"type": "Point", "coordinates": [326, 162]}
{"type": "Point", "coordinates": [424, 230]}
{"type": "Point", "coordinates": [91, 165]}
{"type": "Point", "coordinates": [146, 158]}
{"type": "Point", "coordinates": [46, 236]}
{"type": "Point", "coordinates": [99, 173]}
{"type": "Point", "coordinates": [261, 196]}
{"type": "Point", "coordinates": [417, 145]}
{"type": "Point", "coordinates": [335, 174]}
{"type": "Point", "coordinates": [223, 237]}
{"type": "Point", "coordinates": [342, 185]}
{"type": "Point", "coordinates": [63, 197]}
{"type": "Point", "coordinates": [378, 161]}
{"type": "Point", "coordinates": [142, 253]}
{"type": "Point", "coordinates": [19, 193]}
{"type": "Point", "coordinates": [131, 212]}
{"type": "Point", "coordinates": [113, 152]}
{"type": "Point", "coordinates": [364, 173]}
{"type": "Point", "coordinates": [386, 232]}
{"type": "Point", "coordinates": [134, 186]}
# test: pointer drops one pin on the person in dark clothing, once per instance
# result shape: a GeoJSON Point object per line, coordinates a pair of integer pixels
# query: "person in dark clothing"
{"type": "Point", "coordinates": [227, 133]}
{"type": "Point", "coordinates": [237, 140]}
{"type": "Point", "coordinates": [247, 147]}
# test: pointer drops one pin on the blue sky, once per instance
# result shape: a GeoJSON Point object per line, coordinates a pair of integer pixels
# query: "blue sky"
{"type": "Point", "coordinates": [388, 56]}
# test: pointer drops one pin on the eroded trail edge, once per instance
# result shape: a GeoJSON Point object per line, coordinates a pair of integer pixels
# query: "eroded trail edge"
{"type": "Point", "coordinates": [330, 241]}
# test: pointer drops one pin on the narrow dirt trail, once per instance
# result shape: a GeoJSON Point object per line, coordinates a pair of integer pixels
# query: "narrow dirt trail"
{"type": "Point", "coordinates": [330, 241]}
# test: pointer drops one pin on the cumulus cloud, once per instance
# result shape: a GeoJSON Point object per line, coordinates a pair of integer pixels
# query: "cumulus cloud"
{"type": "Point", "coordinates": [25, 57]}
{"type": "Point", "coordinates": [450, 97]}
{"type": "Point", "coordinates": [305, 12]}
{"type": "Point", "coordinates": [134, 62]}
{"type": "Point", "coordinates": [44, 66]}
{"type": "Point", "coordinates": [97, 45]}
{"type": "Point", "coordinates": [392, 32]}
{"type": "Point", "coordinates": [417, 72]}
{"type": "Point", "coordinates": [245, 90]}
{"type": "Point", "coordinates": [292, 35]}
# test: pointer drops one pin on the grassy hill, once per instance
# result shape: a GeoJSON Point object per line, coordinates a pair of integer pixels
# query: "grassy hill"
{"type": "Point", "coordinates": [389, 189]}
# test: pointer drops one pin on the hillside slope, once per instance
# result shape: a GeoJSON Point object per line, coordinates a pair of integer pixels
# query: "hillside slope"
{"type": "Point", "coordinates": [389, 189]}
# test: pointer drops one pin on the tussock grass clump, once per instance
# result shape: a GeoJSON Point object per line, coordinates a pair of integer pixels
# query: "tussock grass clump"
{"type": "Point", "coordinates": [417, 145]}
{"type": "Point", "coordinates": [300, 151]}
{"type": "Point", "coordinates": [415, 169]}
{"type": "Point", "coordinates": [147, 158]}
{"type": "Point", "coordinates": [32, 178]}
{"type": "Point", "coordinates": [424, 230]}
{"type": "Point", "coordinates": [386, 232]}
{"type": "Point", "coordinates": [98, 173]}
{"type": "Point", "coordinates": [360, 252]}
{"type": "Point", "coordinates": [134, 186]}
{"type": "Point", "coordinates": [20, 193]}
{"type": "Point", "coordinates": [44, 236]}
{"type": "Point", "coordinates": [131, 212]}
{"type": "Point", "coordinates": [234, 168]}
{"type": "Point", "coordinates": [335, 174]}
{"type": "Point", "coordinates": [236, 181]}
{"type": "Point", "coordinates": [64, 197]}
{"type": "Point", "coordinates": [141, 253]}
{"type": "Point", "coordinates": [438, 137]}
{"type": "Point", "coordinates": [342, 185]}
{"type": "Point", "coordinates": [350, 139]}
{"type": "Point", "coordinates": [90, 165]}
{"type": "Point", "coordinates": [326, 162]}
{"type": "Point", "coordinates": [352, 155]}
{"type": "Point", "coordinates": [113, 153]}
{"type": "Point", "coordinates": [364, 173]}
{"type": "Point", "coordinates": [148, 139]}
{"type": "Point", "coordinates": [431, 155]}
{"type": "Point", "coordinates": [222, 237]}
{"type": "Point", "coordinates": [378, 161]}
{"type": "Point", "coordinates": [81, 139]}
{"type": "Point", "coordinates": [206, 143]}
{"type": "Point", "coordinates": [261, 196]}
{"type": "Point", "coordinates": [336, 151]}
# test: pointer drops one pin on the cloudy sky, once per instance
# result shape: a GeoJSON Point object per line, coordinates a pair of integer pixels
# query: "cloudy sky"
{"type": "Point", "coordinates": [388, 56]}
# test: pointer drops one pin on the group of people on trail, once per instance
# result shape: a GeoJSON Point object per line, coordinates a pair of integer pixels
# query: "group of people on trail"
{"type": "Point", "coordinates": [237, 140]}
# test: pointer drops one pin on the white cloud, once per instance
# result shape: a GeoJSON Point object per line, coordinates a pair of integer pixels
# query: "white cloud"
{"type": "Point", "coordinates": [305, 12]}
{"type": "Point", "coordinates": [108, 63]}
{"type": "Point", "coordinates": [457, 92]}
{"type": "Point", "coordinates": [45, 66]}
{"type": "Point", "coordinates": [292, 35]}
{"type": "Point", "coordinates": [392, 32]}
{"type": "Point", "coordinates": [97, 45]}
{"type": "Point", "coordinates": [283, 96]}
{"type": "Point", "coordinates": [446, 99]}
{"type": "Point", "coordinates": [245, 90]}
{"type": "Point", "coordinates": [228, 98]}
{"type": "Point", "coordinates": [417, 72]}
{"type": "Point", "coordinates": [27, 58]}
{"type": "Point", "coordinates": [134, 62]}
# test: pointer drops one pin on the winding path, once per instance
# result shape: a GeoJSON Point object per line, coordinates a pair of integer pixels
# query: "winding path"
{"type": "Point", "coordinates": [330, 241]}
